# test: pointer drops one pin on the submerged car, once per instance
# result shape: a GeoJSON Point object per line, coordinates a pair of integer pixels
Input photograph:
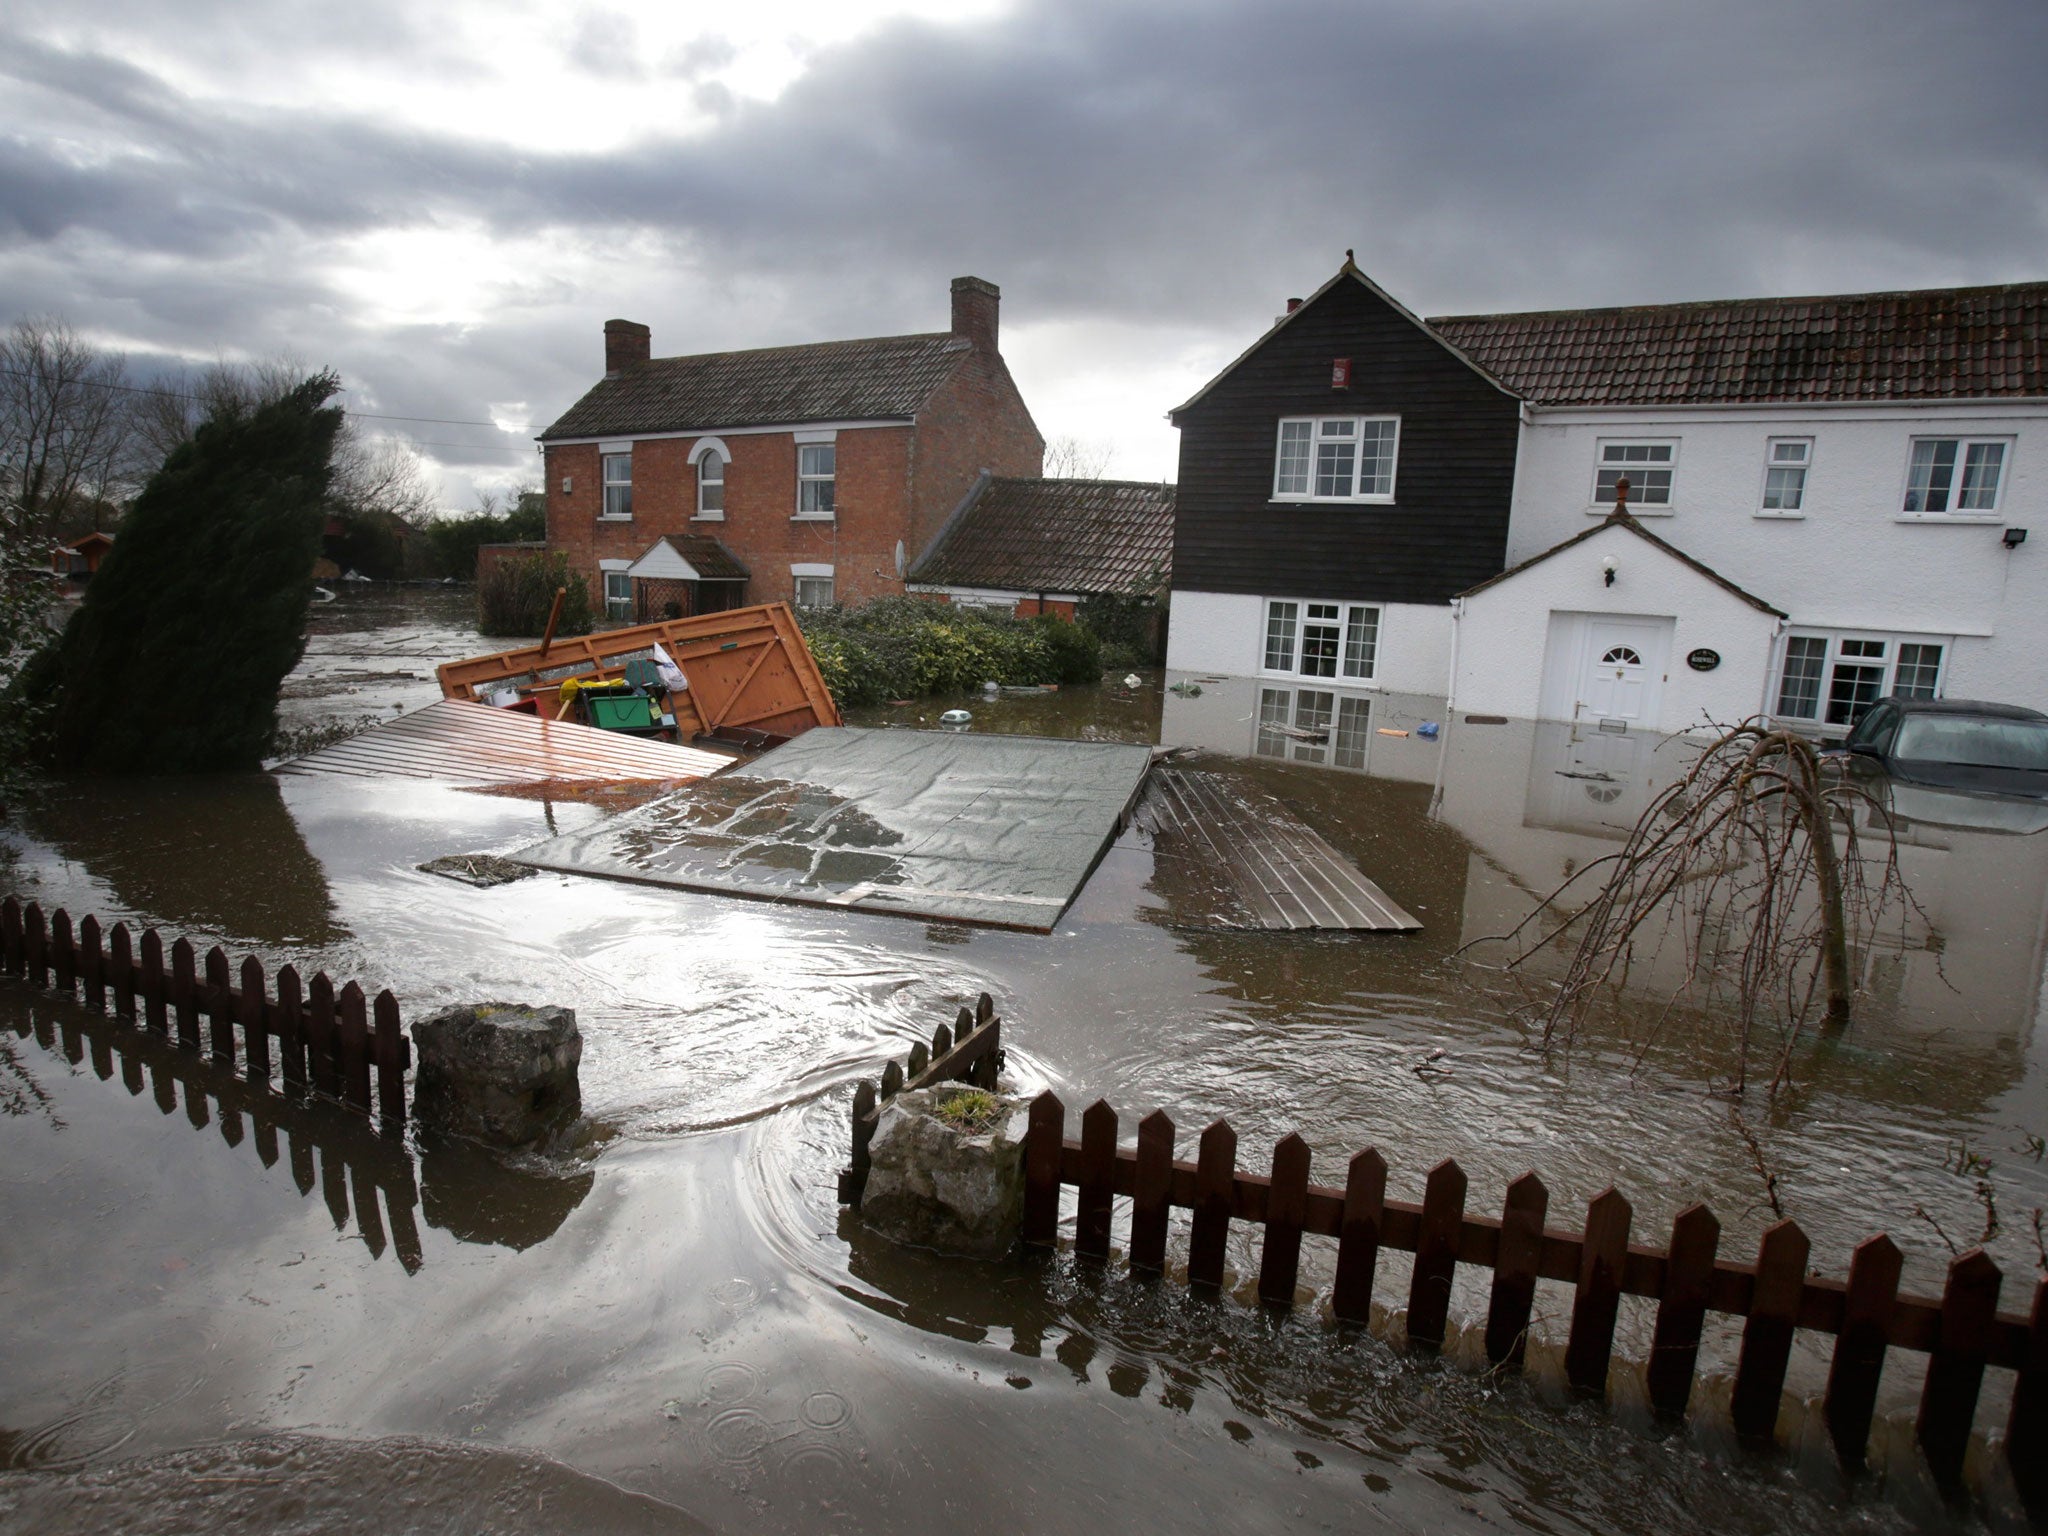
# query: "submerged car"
{"type": "Point", "coordinates": [1964, 744]}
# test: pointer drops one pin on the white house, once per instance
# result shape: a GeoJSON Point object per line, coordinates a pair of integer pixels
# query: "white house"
{"type": "Point", "coordinates": [1830, 498]}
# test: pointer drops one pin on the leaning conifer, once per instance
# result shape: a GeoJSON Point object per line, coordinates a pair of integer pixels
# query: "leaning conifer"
{"type": "Point", "coordinates": [173, 661]}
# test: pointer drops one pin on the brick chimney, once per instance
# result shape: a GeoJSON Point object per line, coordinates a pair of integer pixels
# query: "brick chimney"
{"type": "Point", "coordinates": [975, 305]}
{"type": "Point", "coordinates": [627, 344]}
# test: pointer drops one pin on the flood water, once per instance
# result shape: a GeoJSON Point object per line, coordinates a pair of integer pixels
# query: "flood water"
{"type": "Point", "coordinates": [230, 1311]}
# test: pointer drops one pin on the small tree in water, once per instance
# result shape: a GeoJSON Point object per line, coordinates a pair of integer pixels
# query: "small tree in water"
{"type": "Point", "coordinates": [173, 661]}
{"type": "Point", "coordinates": [1738, 863]}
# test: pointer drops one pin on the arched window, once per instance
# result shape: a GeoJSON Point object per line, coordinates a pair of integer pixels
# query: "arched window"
{"type": "Point", "coordinates": [709, 457]}
{"type": "Point", "coordinates": [711, 485]}
{"type": "Point", "coordinates": [1622, 656]}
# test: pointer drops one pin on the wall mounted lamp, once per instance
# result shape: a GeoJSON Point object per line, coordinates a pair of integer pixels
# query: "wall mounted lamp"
{"type": "Point", "coordinates": [2014, 537]}
{"type": "Point", "coordinates": [1607, 570]}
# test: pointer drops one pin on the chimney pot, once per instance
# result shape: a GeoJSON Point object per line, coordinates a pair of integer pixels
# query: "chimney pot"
{"type": "Point", "coordinates": [976, 304]}
{"type": "Point", "coordinates": [627, 344]}
{"type": "Point", "coordinates": [1293, 305]}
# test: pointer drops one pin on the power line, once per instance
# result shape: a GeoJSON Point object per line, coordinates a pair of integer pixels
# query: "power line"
{"type": "Point", "coordinates": [173, 394]}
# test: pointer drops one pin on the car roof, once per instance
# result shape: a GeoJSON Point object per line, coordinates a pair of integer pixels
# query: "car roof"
{"type": "Point", "coordinates": [1963, 707]}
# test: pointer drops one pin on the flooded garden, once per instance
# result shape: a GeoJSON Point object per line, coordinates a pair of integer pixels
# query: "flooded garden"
{"type": "Point", "coordinates": [679, 1327]}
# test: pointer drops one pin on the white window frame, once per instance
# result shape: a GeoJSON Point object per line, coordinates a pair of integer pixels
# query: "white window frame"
{"type": "Point", "coordinates": [807, 444]}
{"type": "Point", "coordinates": [620, 607]}
{"type": "Point", "coordinates": [799, 574]}
{"type": "Point", "coordinates": [1952, 488]}
{"type": "Point", "coordinates": [1353, 624]}
{"type": "Point", "coordinates": [609, 460]}
{"type": "Point", "coordinates": [1287, 718]}
{"type": "Point", "coordinates": [1774, 448]}
{"type": "Point", "coordinates": [1837, 643]}
{"type": "Point", "coordinates": [1318, 427]}
{"type": "Point", "coordinates": [1636, 504]}
{"type": "Point", "coordinates": [706, 449]}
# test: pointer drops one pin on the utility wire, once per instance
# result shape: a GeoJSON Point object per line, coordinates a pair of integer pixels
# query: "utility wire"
{"type": "Point", "coordinates": [173, 394]}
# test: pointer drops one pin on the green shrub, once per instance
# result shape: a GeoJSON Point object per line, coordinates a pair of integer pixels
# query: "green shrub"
{"type": "Point", "coordinates": [907, 647]}
{"type": "Point", "coordinates": [449, 543]}
{"type": "Point", "coordinates": [1132, 623]}
{"type": "Point", "coordinates": [1071, 650]}
{"type": "Point", "coordinates": [514, 596]}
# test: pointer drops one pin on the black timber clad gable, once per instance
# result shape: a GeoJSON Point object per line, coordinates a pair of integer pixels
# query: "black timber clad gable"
{"type": "Point", "coordinates": [1447, 528]}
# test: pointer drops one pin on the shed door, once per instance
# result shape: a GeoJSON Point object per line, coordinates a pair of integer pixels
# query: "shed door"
{"type": "Point", "coordinates": [1621, 677]}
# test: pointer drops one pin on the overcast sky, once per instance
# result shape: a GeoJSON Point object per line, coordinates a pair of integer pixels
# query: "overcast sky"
{"type": "Point", "coordinates": [447, 201]}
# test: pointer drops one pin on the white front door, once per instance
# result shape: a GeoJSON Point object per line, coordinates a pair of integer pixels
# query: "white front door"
{"type": "Point", "coordinates": [1621, 676]}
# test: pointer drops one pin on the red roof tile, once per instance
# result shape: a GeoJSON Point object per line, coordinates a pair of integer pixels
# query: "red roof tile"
{"type": "Point", "coordinates": [1930, 344]}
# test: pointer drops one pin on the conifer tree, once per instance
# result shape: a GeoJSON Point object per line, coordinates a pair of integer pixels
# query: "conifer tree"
{"type": "Point", "coordinates": [173, 661]}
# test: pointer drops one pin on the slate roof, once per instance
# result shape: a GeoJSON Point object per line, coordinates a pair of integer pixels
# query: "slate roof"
{"type": "Point", "coordinates": [880, 378]}
{"type": "Point", "coordinates": [1028, 535]}
{"type": "Point", "coordinates": [1620, 517]}
{"type": "Point", "coordinates": [1929, 344]}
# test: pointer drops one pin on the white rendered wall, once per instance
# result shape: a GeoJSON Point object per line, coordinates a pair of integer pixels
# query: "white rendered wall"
{"type": "Point", "coordinates": [1505, 634]}
{"type": "Point", "coordinates": [1224, 634]}
{"type": "Point", "coordinates": [1850, 560]}
{"type": "Point", "coordinates": [1215, 632]}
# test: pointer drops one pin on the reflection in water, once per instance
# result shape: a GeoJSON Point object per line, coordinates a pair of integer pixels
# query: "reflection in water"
{"type": "Point", "coordinates": [704, 1326]}
{"type": "Point", "coordinates": [216, 853]}
{"type": "Point", "coordinates": [367, 1177]}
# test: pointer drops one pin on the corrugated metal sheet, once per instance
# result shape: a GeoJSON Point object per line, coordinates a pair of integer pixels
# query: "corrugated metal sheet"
{"type": "Point", "coordinates": [1232, 858]}
{"type": "Point", "coordinates": [467, 743]}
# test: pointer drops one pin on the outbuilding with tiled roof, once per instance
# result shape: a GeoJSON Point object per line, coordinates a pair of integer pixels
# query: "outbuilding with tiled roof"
{"type": "Point", "coordinates": [1036, 545]}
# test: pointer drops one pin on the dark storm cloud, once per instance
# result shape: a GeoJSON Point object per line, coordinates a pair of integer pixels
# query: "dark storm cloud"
{"type": "Point", "coordinates": [1187, 166]}
{"type": "Point", "coordinates": [1121, 158]}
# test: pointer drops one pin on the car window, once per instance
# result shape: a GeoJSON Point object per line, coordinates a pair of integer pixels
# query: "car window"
{"type": "Point", "coordinates": [1974, 743]}
{"type": "Point", "coordinates": [1875, 729]}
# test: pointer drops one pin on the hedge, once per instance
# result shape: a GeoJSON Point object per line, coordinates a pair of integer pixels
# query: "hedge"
{"type": "Point", "coordinates": [908, 647]}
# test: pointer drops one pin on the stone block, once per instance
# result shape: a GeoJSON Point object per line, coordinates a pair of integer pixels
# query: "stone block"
{"type": "Point", "coordinates": [937, 1186]}
{"type": "Point", "coordinates": [500, 1073]}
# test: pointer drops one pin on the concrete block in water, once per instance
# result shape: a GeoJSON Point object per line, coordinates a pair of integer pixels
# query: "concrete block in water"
{"type": "Point", "coordinates": [935, 1184]}
{"type": "Point", "coordinates": [502, 1073]}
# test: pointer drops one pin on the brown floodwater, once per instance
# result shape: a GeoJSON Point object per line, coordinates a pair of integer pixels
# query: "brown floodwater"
{"type": "Point", "coordinates": [228, 1310]}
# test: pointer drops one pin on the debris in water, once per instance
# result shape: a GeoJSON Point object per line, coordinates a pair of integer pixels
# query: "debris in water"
{"type": "Point", "coordinates": [1388, 730]}
{"type": "Point", "coordinates": [1427, 730]}
{"type": "Point", "coordinates": [955, 717]}
{"type": "Point", "coordinates": [479, 869]}
{"type": "Point", "coordinates": [1132, 680]}
{"type": "Point", "coordinates": [1186, 690]}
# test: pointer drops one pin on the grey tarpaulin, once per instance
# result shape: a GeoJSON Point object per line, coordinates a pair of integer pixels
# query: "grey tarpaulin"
{"type": "Point", "coordinates": [1001, 830]}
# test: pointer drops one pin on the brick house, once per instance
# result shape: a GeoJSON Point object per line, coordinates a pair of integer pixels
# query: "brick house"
{"type": "Point", "coordinates": [807, 474]}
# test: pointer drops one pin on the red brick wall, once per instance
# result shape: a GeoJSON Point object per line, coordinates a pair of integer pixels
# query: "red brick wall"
{"type": "Point", "coordinates": [893, 483]}
{"type": "Point", "coordinates": [760, 525]}
{"type": "Point", "coordinates": [976, 420]}
{"type": "Point", "coordinates": [1031, 608]}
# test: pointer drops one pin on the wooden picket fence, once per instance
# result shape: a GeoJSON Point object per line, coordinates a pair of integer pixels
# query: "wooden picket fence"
{"type": "Point", "coordinates": [969, 1051]}
{"type": "Point", "coordinates": [1962, 1331]}
{"type": "Point", "coordinates": [359, 1174]}
{"type": "Point", "coordinates": [339, 1043]}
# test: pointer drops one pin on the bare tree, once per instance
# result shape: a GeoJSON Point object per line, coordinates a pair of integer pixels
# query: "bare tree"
{"type": "Point", "coordinates": [1069, 458]}
{"type": "Point", "coordinates": [1737, 862]}
{"type": "Point", "coordinates": [373, 474]}
{"type": "Point", "coordinates": [64, 424]}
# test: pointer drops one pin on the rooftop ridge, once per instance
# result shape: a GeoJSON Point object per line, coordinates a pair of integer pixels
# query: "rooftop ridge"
{"type": "Point", "coordinates": [1875, 295]}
